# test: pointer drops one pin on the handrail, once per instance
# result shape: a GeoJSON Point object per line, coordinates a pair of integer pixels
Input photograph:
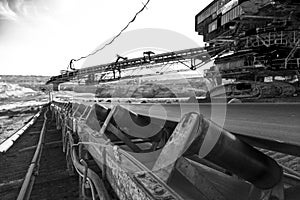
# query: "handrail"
{"type": "Point", "coordinates": [29, 178]}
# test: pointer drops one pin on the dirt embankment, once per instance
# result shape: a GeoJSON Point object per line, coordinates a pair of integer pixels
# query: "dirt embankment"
{"type": "Point", "coordinates": [132, 88]}
{"type": "Point", "coordinates": [12, 120]}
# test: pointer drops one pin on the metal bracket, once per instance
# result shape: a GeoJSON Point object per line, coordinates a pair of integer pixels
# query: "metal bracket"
{"type": "Point", "coordinates": [107, 120]}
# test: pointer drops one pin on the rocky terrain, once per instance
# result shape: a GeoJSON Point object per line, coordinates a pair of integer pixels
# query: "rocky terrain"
{"type": "Point", "coordinates": [12, 119]}
{"type": "Point", "coordinates": [21, 89]}
{"type": "Point", "coordinates": [141, 88]}
{"type": "Point", "coordinates": [32, 82]}
{"type": "Point", "coordinates": [20, 97]}
{"type": "Point", "coordinates": [8, 90]}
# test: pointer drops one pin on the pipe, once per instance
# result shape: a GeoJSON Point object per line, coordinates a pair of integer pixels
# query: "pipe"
{"type": "Point", "coordinates": [92, 177]}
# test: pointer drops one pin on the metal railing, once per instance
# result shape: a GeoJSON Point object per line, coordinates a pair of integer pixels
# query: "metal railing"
{"type": "Point", "coordinates": [290, 63]}
{"type": "Point", "coordinates": [27, 185]}
{"type": "Point", "coordinates": [199, 53]}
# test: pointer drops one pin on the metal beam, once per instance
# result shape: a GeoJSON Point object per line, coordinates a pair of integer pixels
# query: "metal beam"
{"type": "Point", "coordinates": [181, 55]}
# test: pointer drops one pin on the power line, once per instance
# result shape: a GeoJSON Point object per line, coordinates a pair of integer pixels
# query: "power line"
{"type": "Point", "coordinates": [112, 40]}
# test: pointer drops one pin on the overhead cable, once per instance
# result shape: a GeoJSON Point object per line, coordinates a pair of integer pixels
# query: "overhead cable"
{"type": "Point", "coordinates": [112, 40]}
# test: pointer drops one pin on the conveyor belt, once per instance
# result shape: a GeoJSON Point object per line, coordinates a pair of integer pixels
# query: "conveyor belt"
{"type": "Point", "coordinates": [275, 124]}
{"type": "Point", "coordinates": [278, 122]}
{"type": "Point", "coordinates": [274, 121]}
{"type": "Point", "coordinates": [223, 152]}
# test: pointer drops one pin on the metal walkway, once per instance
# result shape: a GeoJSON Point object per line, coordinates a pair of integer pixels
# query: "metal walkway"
{"type": "Point", "coordinates": [51, 179]}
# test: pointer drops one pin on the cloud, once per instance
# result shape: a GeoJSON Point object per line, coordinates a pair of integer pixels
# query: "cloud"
{"type": "Point", "coordinates": [14, 10]}
{"type": "Point", "coordinates": [17, 14]}
{"type": "Point", "coordinates": [42, 36]}
{"type": "Point", "coordinates": [7, 11]}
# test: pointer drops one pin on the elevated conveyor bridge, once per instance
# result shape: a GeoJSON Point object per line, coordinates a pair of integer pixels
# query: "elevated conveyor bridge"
{"type": "Point", "coordinates": [192, 58]}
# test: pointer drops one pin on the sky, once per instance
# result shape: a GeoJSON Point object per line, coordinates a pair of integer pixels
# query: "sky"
{"type": "Point", "coordinates": [40, 37]}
